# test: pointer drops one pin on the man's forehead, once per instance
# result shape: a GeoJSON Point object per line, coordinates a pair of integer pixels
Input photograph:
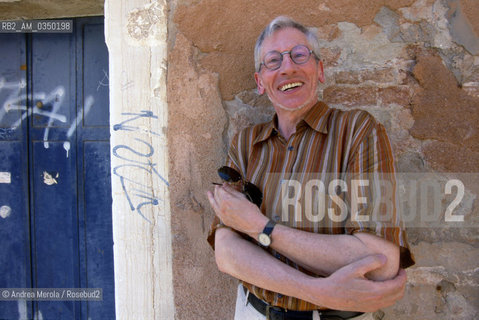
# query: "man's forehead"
{"type": "Point", "coordinates": [283, 39]}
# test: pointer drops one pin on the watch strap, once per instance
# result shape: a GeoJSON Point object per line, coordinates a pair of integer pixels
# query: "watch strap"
{"type": "Point", "coordinates": [268, 229]}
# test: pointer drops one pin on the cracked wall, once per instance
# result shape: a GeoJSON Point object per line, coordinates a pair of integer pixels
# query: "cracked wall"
{"type": "Point", "coordinates": [413, 64]}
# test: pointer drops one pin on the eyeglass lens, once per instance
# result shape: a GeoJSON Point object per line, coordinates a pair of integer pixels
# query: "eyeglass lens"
{"type": "Point", "coordinates": [252, 192]}
{"type": "Point", "coordinates": [229, 174]}
{"type": "Point", "coordinates": [299, 54]}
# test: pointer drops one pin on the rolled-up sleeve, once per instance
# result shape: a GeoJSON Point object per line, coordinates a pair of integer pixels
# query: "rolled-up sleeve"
{"type": "Point", "coordinates": [373, 195]}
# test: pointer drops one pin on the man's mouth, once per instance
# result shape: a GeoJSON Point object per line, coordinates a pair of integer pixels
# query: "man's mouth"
{"type": "Point", "coordinates": [290, 86]}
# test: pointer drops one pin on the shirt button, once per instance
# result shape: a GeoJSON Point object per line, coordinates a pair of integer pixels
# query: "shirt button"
{"type": "Point", "coordinates": [290, 148]}
{"type": "Point", "coordinates": [280, 295]}
{"type": "Point", "coordinates": [338, 190]}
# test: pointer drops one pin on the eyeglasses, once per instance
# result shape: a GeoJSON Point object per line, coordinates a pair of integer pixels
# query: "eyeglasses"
{"type": "Point", "coordinates": [299, 54]}
{"type": "Point", "coordinates": [252, 192]}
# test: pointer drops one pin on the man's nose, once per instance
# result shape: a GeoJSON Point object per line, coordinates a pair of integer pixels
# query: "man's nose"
{"type": "Point", "coordinates": [287, 65]}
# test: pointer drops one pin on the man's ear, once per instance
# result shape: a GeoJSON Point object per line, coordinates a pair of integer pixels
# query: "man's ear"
{"type": "Point", "coordinates": [259, 83]}
{"type": "Point", "coordinates": [321, 76]}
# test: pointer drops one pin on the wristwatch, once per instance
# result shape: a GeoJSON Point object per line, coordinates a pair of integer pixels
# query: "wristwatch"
{"type": "Point", "coordinates": [264, 237]}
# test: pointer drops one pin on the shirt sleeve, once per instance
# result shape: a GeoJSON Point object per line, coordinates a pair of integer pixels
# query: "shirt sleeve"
{"type": "Point", "coordinates": [372, 198]}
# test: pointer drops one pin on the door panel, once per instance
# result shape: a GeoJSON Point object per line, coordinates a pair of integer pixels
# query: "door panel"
{"type": "Point", "coordinates": [13, 86]}
{"type": "Point", "coordinates": [55, 156]}
{"type": "Point", "coordinates": [54, 225]}
{"type": "Point", "coordinates": [94, 191]}
{"type": "Point", "coordinates": [53, 76]}
{"type": "Point", "coordinates": [95, 67]}
{"type": "Point", "coordinates": [14, 225]}
{"type": "Point", "coordinates": [15, 267]}
{"type": "Point", "coordinates": [98, 244]}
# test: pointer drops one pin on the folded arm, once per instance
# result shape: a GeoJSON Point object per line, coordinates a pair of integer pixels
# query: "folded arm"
{"type": "Point", "coordinates": [325, 253]}
{"type": "Point", "coordinates": [320, 253]}
{"type": "Point", "coordinates": [345, 289]}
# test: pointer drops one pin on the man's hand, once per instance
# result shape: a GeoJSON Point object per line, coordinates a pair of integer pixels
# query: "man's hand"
{"type": "Point", "coordinates": [345, 289]}
{"type": "Point", "coordinates": [349, 289]}
{"type": "Point", "coordinates": [235, 211]}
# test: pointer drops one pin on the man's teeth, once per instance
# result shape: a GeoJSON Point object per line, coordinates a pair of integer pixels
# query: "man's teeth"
{"type": "Point", "coordinates": [290, 85]}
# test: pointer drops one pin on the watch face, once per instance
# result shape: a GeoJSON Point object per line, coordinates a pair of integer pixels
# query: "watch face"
{"type": "Point", "coordinates": [264, 239]}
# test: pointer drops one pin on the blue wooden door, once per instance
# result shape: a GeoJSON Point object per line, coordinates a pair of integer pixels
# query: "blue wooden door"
{"type": "Point", "coordinates": [55, 193]}
{"type": "Point", "coordinates": [15, 263]}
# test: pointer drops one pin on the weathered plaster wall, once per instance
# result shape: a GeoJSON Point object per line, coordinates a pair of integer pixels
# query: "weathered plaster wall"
{"type": "Point", "coordinates": [46, 9]}
{"type": "Point", "coordinates": [136, 33]}
{"type": "Point", "coordinates": [414, 64]}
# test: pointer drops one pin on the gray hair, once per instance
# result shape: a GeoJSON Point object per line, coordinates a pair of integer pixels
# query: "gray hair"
{"type": "Point", "coordinates": [279, 23]}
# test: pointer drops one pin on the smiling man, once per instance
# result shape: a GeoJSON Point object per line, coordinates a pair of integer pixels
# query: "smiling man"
{"type": "Point", "coordinates": [294, 263]}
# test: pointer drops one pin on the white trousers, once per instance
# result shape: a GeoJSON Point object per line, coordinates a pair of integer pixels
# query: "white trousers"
{"type": "Point", "coordinates": [245, 311]}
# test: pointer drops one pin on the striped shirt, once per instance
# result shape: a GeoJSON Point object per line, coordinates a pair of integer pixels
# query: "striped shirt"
{"type": "Point", "coordinates": [335, 175]}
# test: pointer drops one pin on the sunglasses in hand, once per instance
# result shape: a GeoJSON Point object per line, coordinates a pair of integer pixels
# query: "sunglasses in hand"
{"type": "Point", "coordinates": [252, 192]}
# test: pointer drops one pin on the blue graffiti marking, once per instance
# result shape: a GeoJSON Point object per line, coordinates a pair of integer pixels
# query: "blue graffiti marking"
{"type": "Point", "coordinates": [144, 114]}
{"type": "Point", "coordinates": [121, 152]}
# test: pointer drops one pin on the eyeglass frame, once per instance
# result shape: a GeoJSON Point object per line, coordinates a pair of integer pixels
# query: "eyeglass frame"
{"type": "Point", "coordinates": [310, 51]}
{"type": "Point", "coordinates": [247, 188]}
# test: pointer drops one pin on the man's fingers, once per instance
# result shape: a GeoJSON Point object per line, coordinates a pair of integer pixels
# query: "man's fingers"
{"type": "Point", "coordinates": [226, 190]}
{"type": "Point", "coordinates": [223, 190]}
{"type": "Point", "coordinates": [220, 196]}
{"type": "Point", "coordinates": [393, 288]}
{"type": "Point", "coordinates": [220, 192]}
{"type": "Point", "coordinates": [212, 200]}
{"type": "Point", "coordinates": [232, 191]}
{"type": "Point", "coordinates": [400, 279]}
{"type": "Point", "coordinates": [368, 264]}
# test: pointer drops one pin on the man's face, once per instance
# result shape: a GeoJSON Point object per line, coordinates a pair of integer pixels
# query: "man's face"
{"type": "Point", "coordinates": [303, 77]}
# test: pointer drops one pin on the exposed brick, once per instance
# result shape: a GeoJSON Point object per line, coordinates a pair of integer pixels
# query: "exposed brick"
{"type": "Point", "coordinates": [400, 95]}
{"type": "Point", "coordinates": [405, 77]}
{"type": "Point", "coordinates": [330, 56]}
{"type": "Point", "coordinates": [414, 50]}
{"type": "Point", "coordinates": [347, 77]}
{"type": "Point", "coordinates": [472, 89]}
{"type": "Point", "coordinates": [350, 96]}
{"type": "Point", "coordinates": [472, 74]}
{"type": "Point", "coordinates": [383, 75]}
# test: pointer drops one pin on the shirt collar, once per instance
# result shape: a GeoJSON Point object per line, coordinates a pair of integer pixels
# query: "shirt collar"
{"type": "Point", "coordinates": [316, 118]}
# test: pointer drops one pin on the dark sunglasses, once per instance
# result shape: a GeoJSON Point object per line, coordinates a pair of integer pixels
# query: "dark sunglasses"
{"type": "Point", "coordinates": [252, 192]}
